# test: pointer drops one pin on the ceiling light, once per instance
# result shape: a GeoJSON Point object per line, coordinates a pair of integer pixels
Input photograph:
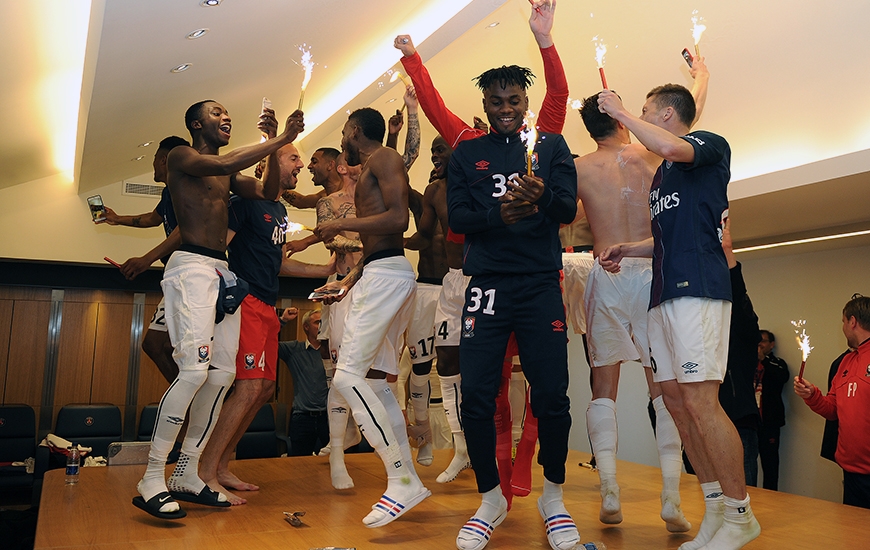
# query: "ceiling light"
{"type": "Point", "coordinates": [198, 33]}
{"type": "Point", "coordinates": [181, 68]}
{"type": "Point", "coordinates": [140, 157]}
{"type": "Point", "coordinates": [146, 144]}
{"type": "Point", "coordinates": [803, 241]}
{"type": "Point", "coordinates": [493, 25]}
{"type": "Point", "coordinates": [209, 3]}
{"type": "Point", "coordinates": [391, 100]}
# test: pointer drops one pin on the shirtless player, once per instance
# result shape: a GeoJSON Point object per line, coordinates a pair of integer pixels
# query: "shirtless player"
{"type": "Point", "coordinates": [613, 184]}
{"type": "Point", "coordinates": [381, 306]}
{"type": "Point", "coordinates": [200, 182]}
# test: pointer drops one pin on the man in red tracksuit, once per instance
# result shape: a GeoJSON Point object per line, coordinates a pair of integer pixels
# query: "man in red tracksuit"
{"type": "Point", "coordinates": [848, 401]}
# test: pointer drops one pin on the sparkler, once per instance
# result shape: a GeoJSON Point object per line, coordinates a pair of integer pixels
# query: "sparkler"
{"type": "Point", "coordinates": [293, 228]}
{"type": "Point", "coordinates": [397, 75]}
{"type": "Point", "coordinates": [698, 29]}
{"type": "Point", "coordinates": [261, 166]}
{"type": "Point", "coordinates": [803, 342]}
{"type": "Point", "coordinates": [600, 50]}
{"type": "Point", "coordinates": [308, 65]}
{"type": "Point", "coordinates": [537, 9]}
{"type": "Point", "coordinates": [529, 137]}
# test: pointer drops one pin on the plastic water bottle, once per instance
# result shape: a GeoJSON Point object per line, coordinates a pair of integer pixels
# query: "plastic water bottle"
{"type": "Point", "coordinates": [73, 462]}
{"type": "Point", "coordinates": [592, 546]}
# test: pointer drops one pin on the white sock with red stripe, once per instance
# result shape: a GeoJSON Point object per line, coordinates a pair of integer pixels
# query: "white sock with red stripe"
{"type": "Point", "coordinates": [475, 534]}
{"type": "Point", "coordinates": [562, 532]}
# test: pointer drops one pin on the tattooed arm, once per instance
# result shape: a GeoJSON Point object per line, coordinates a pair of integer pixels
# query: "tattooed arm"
{"type": "Point", "coordinates": [340, 243]}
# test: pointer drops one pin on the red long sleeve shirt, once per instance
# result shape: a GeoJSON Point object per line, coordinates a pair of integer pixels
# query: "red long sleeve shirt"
{"type": "Point", "coordinates": [849, 402]}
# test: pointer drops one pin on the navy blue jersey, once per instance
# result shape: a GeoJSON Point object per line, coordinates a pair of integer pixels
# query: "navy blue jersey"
{"type": "Point", "coordinates": [478, 176]}
{"type": "Point", "coordinates": [256, 251]}
{"type": "Point", "coordinates": [165, 210]}
{"type": "Point", "coordinates": [688, 205]}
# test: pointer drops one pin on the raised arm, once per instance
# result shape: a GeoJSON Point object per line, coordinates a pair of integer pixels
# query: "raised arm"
{"type": "Point", "coordinates": [656, 139]}
{"type": "Point", "coordinates": [551, 118]}
{"type": "Point", "coordinates": [298, 200]}
{"type": "Point", "coordinates": [448, 125]}
{"type": "Point", "coordinates": [412, 137]}
{"type": "Point", "coordinates": [701, 75]}
{"type": "Point", "coordinates": [189, 161]}
{"type": "Point", "coordinates": [148, 219]}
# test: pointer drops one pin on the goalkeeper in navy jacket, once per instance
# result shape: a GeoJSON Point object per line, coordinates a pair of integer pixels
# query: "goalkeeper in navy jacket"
{"type": "Point", "coordinates": [513, 254]}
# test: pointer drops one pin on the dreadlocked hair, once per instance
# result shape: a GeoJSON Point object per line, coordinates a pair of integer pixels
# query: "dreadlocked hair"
{"type": "Point", "coordinates": [505, 76]}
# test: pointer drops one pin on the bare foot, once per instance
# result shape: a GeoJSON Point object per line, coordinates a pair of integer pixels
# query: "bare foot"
{"type": "Point", "coordinates": [235, 500]}
{"type": "Point", "coordinates": [228, 479]}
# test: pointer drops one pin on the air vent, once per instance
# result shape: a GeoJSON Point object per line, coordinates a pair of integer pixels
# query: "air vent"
{"type": "Point", "coordinates": [142, 189]}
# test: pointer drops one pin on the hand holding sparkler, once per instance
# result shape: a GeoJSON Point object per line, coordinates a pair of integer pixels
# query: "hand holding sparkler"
{"type": "Point", "coordinates": [410, 99]}
{"type": "Point", "coordinates": [295, 125]}
{"type": "Point", "coordinates": [513, 209]}
{"type": "Point", "coordinates": [405, 45]}
{"type": "Point", "coordinates": [609, 103]}
{"type": "Point", "coordinates": [803, 389]}
{"type": "Point", "coordinates": [328, 229]}
{"type": "Point", "coordinates": [803, 341]}
{"type": "Point", "coordinates": [395, 123]}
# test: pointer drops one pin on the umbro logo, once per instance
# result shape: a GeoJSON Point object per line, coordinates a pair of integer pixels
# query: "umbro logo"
{"type": "Point", "coordinates": [178, 421]}
{"type": "Point", "coordinates": [558, 326]}
{"type": "Point", "coordinates": [713, 495]}
{"type": "Point", "coordinates": [690, 368]}
{"type": "Point", "coordinates": [482, 165]}
{"type": "Point", "coordinates": [268, 218]}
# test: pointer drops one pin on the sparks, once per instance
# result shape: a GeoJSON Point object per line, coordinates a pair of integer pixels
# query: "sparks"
{"type": "Point", "coordinates": [698, 29]}
{"type": "Point", "coordinates": [600, 50]}
{"type": "Point", "coordinates": [308, 66]}
{"type": "Point", "coordinates": [293, 228]}
{"type": "Point", "coordinates": [803, 339]}
{"type": "Point", "coordinates": [397, 75]}
{"type": "Point", "coordinates": [529, 136]}
{"type": "Point", "coordinates": [575, 103]}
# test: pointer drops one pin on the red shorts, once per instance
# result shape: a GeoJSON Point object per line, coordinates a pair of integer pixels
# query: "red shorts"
{"type": "Point", "coordinates": [258, 341]}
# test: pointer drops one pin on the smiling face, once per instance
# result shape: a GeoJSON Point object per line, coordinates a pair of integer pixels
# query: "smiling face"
{"type": "Point", "coordinates": [289, 164]}
{"type": "Point", "coordinates": [441, 153]}
{"type": "Point", "coordinates": [214, 123]}
{"type": "Point", "coordinates": [319, 168]}
{"type": "Point", "coordinates": [505, 107]}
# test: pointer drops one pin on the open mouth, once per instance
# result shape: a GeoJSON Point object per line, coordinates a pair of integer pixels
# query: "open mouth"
{"type": "Point", "coordinates": [225, 128]}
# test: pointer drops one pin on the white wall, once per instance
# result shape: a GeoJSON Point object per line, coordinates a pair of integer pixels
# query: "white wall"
{"type": "Point", "coordinates": [786, 285]}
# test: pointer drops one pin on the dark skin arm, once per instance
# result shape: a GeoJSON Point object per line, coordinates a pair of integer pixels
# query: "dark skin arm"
{"type": "Point", "coordinates": [427, 224]}
{"type": "Point", "coordinates": [133, 267]}
{"type": "Point", "coordinates": [148, 219]}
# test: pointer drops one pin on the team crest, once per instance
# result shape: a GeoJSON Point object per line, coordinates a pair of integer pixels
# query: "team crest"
{"type": "Point", "coordinates": [249, 361]}
{"type": "Point", "coordinates": [468, 327]}
{"type": "Point", "coordinates": [535, 161]}
{"type": "Point", "coordinates": [333, 354]}
{"type": "Point", "coordinates": [89, 421]}
{"type": "Point", "coordinates": [866, 374]}
{"type": "Point", "coordinates": [413, 351]}
{"type": "Point", "coordinates": [202, 354]}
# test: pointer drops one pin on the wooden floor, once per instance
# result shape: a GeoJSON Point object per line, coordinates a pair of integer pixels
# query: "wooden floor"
{"type": "Point", "coordinates": [97, 512]}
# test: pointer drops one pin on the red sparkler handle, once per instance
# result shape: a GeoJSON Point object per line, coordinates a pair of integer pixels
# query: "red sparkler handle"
{"type": "Point", "coordinates": [603, 78]}
{"type": "Point", "coordinates": [801, 373]}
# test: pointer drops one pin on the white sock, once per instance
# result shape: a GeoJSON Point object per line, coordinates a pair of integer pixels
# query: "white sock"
{"type": "Point", "coordinates": [477, 531]}
{"type": "Point", "coordinates": [394, 413]}
{"type": "Point", "coordinates": [459, 462]}
{"type": "Point", "coordinates": [602, 429]}
{"type": "Point", "coordinates": [452, 398]}
{"type": "Point", "coordinates": [517, 398]}
{"type": "Point", "coordinates": [713, 516]}
{"type": "Point", "coordinates": [338, 413]}
{"type": "Point", "coordinates": [562, 532]}
{"type": "Point", "coordinates": [420, 394]}
{"type": "Point", "coordinates": [739, 526]}
{"type": "Point", "coordinates": [170, 417]}
{"type": "Point", "coordinates": [670, 458]}
{"type": "Point", "coordinates": [204, 412]}
{"type": "Point", "coordinates": [403, 485]}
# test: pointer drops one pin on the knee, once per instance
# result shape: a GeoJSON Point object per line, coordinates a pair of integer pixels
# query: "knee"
{"type": "Point", "coordinates": [155, 342]}
{"type": "Point", "coordinates": [194, 377]}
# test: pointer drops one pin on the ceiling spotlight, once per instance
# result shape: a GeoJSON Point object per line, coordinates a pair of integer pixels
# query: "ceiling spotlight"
{"type": "Point", "coordinates": [493, 25]}
{"type": "Point", "coordinates": [209, 3]}
{"type": "Point", "coordinates": [198, 33]}
{"type": "Point", "coordinates": [146, 144]}
{"type": "Point", "coordinates": [140, 157]}
{"type": "Point", "coordinates": [391, 100]}
{"type": "Point", "coordinates": [181, 68]}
